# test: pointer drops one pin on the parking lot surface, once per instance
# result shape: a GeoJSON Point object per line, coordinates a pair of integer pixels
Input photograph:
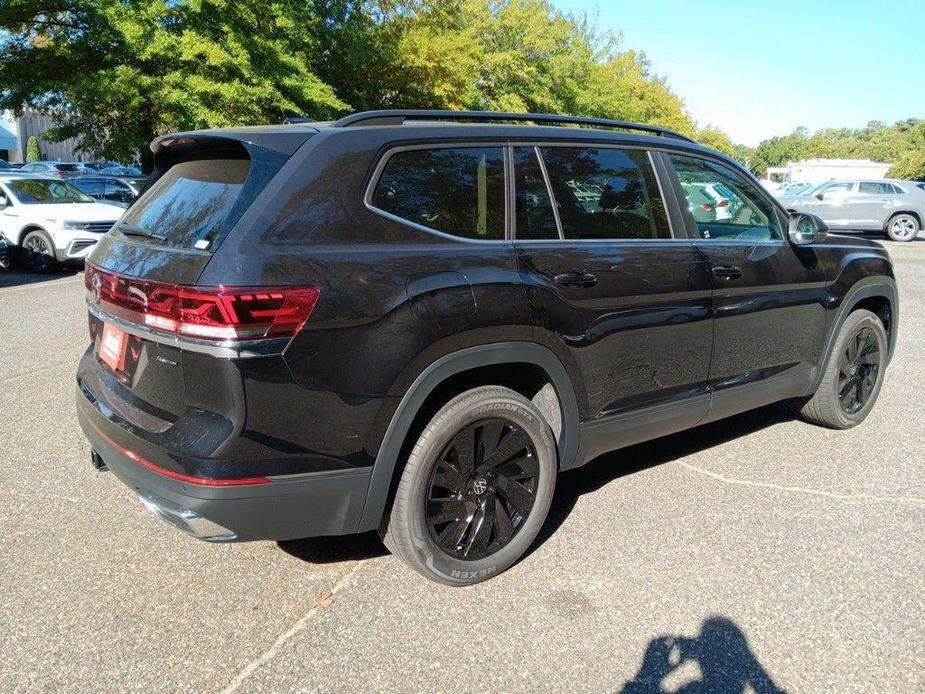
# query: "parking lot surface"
{"type": "Point", "coordinates": [754, 554]}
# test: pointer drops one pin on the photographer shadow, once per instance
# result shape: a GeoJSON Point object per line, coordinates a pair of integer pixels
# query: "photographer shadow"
{"type": "Point", "coordinates": [721, 653]}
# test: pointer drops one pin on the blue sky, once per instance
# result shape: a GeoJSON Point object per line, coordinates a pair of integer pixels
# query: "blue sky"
{"type": "Point", "coordinates": [758, 69]}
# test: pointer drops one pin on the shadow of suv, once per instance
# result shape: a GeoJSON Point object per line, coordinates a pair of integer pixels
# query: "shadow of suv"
{"type": "Point", "coordinates": [411, 321]}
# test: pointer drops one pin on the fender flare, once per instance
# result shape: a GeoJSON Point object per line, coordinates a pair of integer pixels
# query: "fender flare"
{"type": "Point", "coordinates": [877, 285]}
{"type": "Point", "coordinates": [435, 374]}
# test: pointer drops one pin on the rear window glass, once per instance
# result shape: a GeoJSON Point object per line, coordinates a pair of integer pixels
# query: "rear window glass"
{"type": "Point", "coordinates": [190, 203]}
{"type": "Point", "coordinates": [458, 191]}
{"type": "Point", "coordinates": [68, 167]}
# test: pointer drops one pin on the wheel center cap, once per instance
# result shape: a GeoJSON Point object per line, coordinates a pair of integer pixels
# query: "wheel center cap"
{"type": "Point", "coordinates": [479, 486]}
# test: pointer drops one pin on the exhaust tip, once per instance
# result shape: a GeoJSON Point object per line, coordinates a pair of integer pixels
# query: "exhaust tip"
{"type": "Point", "coordinates": [186, 520]}
{"type": "Point", "coordinates": [97, 461]}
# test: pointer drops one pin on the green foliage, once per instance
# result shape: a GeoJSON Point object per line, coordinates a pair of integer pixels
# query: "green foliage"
{"type": "Point", "coordinates": [879, 142]}
{"type": "Point", "coordinates": [33, 153]}
{"type": "Point", "coordinates": [910, 167]}
{"type": "Point", "coordinates": [116, 73]}
{"type": "Point", "coordinates": [713, 137]}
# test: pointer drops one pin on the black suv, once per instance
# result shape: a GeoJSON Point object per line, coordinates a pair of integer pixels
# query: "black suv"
{"type": "Point", "coordinates": [410, 321]}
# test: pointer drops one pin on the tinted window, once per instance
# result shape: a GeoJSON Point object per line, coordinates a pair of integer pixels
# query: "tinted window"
{"type": "Point", "coordinates": [535, 218]}
{"type": "Point", "coordinates": [190, 202]}
{"type": "Point", "coordinates": [119, 191]}
{"type": "Point", "coordinates": [875, 188]}
{"type": "Point", "coordinates": [723, 203]}
{"type": "Point", "coordinates": [458, 191]}
{"type": "Point", "coordinates": [605, 193]}
{"type": "Point", "coordinates": [91, 186]}
{"type": "Point", "coordinates": [68, 167]}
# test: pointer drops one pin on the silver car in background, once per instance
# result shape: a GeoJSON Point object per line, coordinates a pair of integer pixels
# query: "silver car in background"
{"type": "Point", "coordinates": [896, 208]}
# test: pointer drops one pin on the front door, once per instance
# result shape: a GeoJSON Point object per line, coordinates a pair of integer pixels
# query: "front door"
{"type": "Point", "coordinates": [614, 292]}
{"type": "Point", "coordinates": [831, 203]}
{"type": "Point", "coordinates": [769, 296]}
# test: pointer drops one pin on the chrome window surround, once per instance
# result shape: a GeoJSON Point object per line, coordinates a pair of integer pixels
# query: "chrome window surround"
{"type": "Point", "coordinates": [507, 147]}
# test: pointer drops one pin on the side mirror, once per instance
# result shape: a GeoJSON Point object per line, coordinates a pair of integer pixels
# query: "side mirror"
{"type": "Point", "coordinates": [820, 196]}
{"type": "Point", "coordinates": [3, 202]}
{"type": "Point", "coordinates": [806, 228]}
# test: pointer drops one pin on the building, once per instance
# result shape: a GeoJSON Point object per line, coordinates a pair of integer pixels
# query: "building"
{"type": "Point", "coordinates": [819, 170]}
{"type": "Point", "coordinates": [9, 145]}
{"type": "Point", "coordinates": [15, 133]}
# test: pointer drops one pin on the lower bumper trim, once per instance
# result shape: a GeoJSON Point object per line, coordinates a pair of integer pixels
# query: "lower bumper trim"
{"type": "Point", "coordinates": [186, 520]}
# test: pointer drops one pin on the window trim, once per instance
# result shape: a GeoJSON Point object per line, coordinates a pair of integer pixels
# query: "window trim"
{"type": "Point", "coordinates": [390, 152]}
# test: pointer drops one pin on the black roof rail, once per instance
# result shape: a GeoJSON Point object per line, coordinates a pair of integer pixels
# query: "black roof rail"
{"type": "Point", "coordinates": [399, 116]}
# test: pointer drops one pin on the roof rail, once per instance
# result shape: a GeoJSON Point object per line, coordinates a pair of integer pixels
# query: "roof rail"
{"type": "Point", "coordinates": [399, 116]}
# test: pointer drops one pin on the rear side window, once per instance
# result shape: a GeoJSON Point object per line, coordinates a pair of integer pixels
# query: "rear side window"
{"type": "Point", "coordinates": [605, 193]}
{"type": "Point", "coordinates": [534, 215]}
{"type": "Point", "coordinates": [875, 188]}
{"type": "Point", "coordinates": [190, 203]}
{"type": "Point", "coordinates": [456, 190]}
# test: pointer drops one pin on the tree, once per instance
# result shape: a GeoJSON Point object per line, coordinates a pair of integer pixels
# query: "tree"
{"type": "Point", "coordinates": [713, 137]}
{"type": "Point", "coordinates": [116, 73]}
{"type": "Point", "coordinates": [911, 167]}
{"type": "Point", "coordinates": [33, 153]}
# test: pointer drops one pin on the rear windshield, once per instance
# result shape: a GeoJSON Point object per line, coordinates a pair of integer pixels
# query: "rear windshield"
{"type": "Point", "coordinates": [68, 167]}
{"type": "Point", "coordinates": [189, 204]}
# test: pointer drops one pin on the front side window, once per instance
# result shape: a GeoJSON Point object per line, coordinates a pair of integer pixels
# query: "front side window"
{"type": "Point", "coordinates": [839, 188]}
{"type": "Point", "coordinates": [723, 203]}
{"type": "Point", "coordinates": [605, 193]}
{"type": "Point", "coordinates": [455, 190]}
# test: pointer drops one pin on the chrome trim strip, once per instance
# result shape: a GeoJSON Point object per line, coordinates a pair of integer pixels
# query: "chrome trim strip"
{"type": "Point", "coordinates": [552, 196]}
{"type": "Point", "coordinates": [227, 350]}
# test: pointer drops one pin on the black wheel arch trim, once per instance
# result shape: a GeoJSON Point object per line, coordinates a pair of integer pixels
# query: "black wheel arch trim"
{"type": "Point", "coordinates": [865, 288]}
{"type": "Point", "coordinates": [438, 372]}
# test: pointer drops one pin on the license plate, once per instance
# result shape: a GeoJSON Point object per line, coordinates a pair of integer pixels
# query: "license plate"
{"type": "Point", "coordinates": [112, 347]}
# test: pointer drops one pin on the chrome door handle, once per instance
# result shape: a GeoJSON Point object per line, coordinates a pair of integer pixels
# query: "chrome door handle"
{"type": "Point", "coordinates": [576, 280]}
{"type": "Point", "coordinates": [727, 272]}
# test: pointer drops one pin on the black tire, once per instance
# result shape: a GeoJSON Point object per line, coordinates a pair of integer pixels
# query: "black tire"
{"type": "Point", "coordinates": [902, 227]}
{"type": "Point", "coordinates": [849, 389]}
{"type": "Point", "coordinates": [482, 510]}
{"type": "Point", "coordinates": [38, 252]}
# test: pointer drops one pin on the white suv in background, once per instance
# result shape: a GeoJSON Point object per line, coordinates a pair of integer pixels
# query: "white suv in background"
{"type": "Point", "coordinates": [50, 222]}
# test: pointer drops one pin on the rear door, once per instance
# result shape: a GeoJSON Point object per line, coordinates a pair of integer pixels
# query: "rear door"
{"type": "Point", "coordinates": [769, 296]}
{"type": "Point", "coordinates": [611, 286]}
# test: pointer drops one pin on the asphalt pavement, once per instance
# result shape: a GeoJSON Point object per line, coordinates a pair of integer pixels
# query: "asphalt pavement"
{"type": "Point", "coordinates": [753, 554]}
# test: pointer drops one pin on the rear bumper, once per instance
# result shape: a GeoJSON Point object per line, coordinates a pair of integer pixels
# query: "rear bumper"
{"type": "Point", "coordinates": [284, 508]}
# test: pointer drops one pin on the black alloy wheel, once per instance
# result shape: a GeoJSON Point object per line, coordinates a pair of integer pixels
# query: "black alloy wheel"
{"type": "Point", "coordinates": [858, 370]}
{"type": "Point", "coordinates": [482, 489]}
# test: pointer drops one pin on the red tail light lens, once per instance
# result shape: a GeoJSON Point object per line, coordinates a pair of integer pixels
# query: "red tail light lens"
{"type": "Point", "coordinates": [219, 314]}
{"type": "Point", "coordinates": [706, 207]}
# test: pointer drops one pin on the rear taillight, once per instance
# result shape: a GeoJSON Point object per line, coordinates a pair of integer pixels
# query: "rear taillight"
{"type": "Point", "coordinates": [219, 314]}
{"type": "Point", "coordinates": [723, 203]}
{"type": "Point", "coordinates": [706, 207]}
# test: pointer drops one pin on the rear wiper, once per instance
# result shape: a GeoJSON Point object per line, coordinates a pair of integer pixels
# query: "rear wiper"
{"type": "Point", "coordinates": [130, 230]}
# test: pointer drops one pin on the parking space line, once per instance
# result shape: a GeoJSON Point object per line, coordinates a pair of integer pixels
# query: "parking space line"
{"type": "Point", "coordinates": [249, 669]}
{"type": "Point", "coordinates": [907, 500]}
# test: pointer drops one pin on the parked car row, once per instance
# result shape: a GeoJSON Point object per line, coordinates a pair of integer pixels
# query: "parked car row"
{"type": "Point", "coordinates": [893, 207]}
{"type": "Point", "coordinates": [50, 222]}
